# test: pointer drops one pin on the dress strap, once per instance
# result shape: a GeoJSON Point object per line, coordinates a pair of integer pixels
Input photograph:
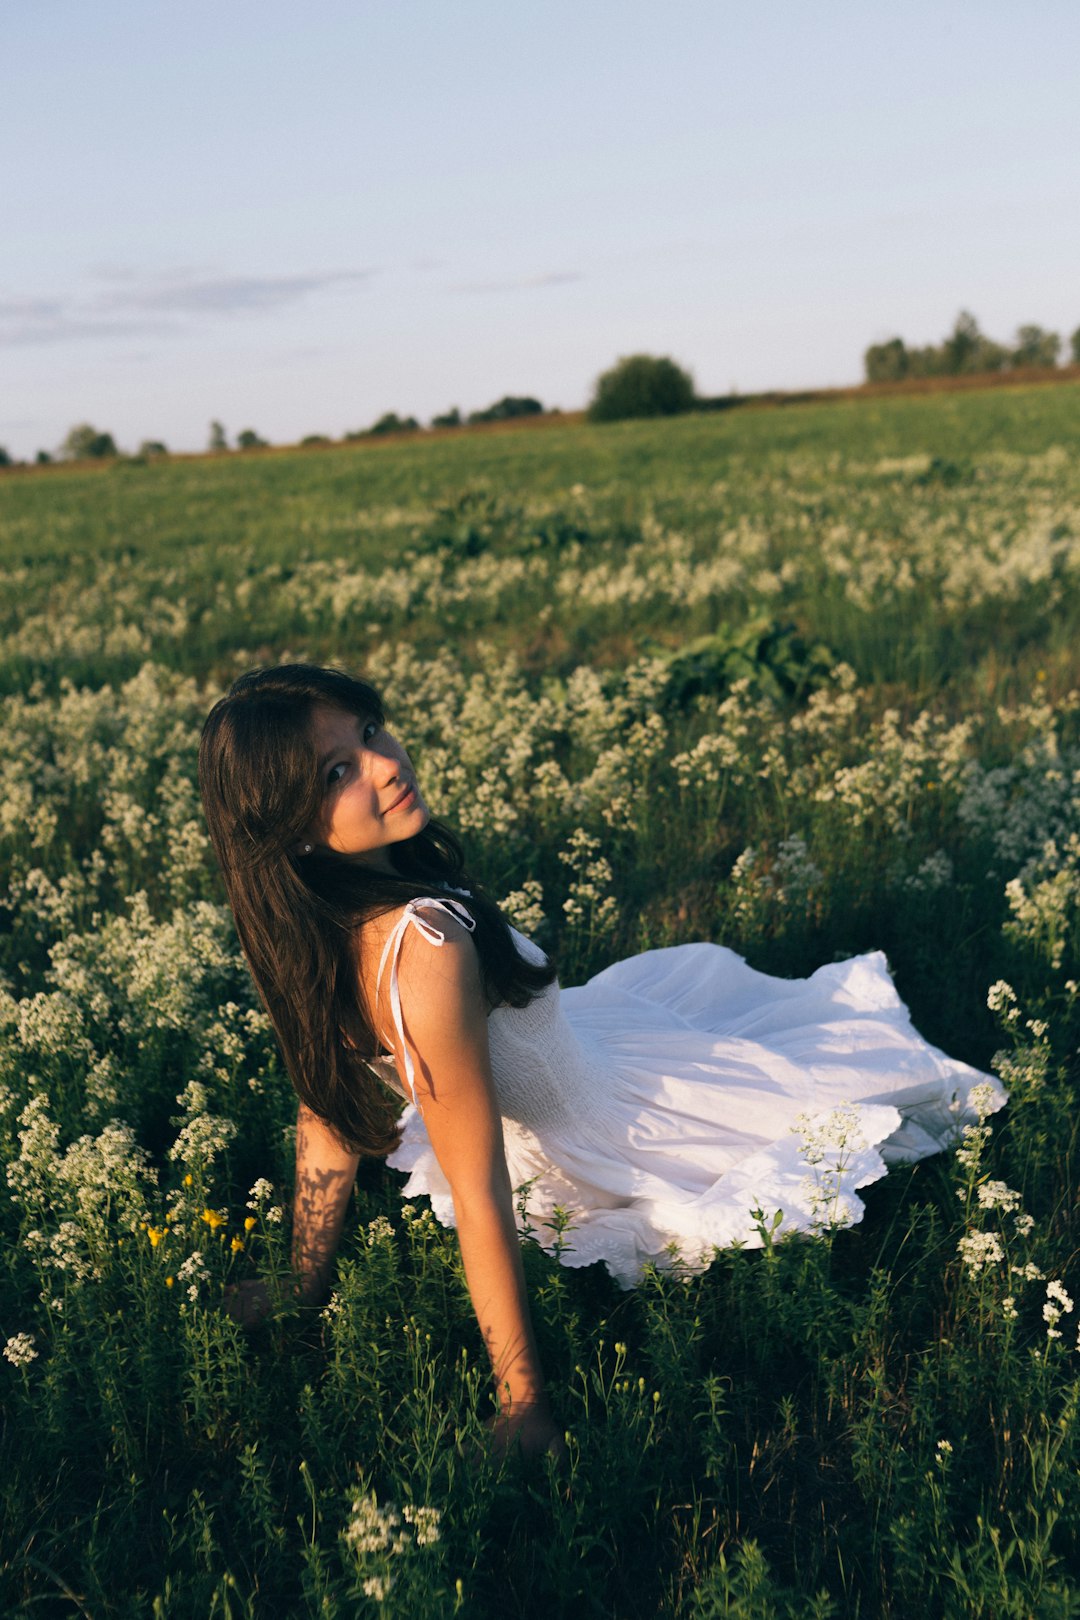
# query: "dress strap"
{"type": "Point", "coordinates": [392, 951]}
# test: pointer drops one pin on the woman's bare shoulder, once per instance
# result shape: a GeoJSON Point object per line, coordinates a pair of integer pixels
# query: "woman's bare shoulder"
{"type": "Point", "coordinates": [440, 952]}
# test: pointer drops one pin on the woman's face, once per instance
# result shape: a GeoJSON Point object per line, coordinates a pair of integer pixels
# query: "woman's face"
{"type": "Point", "coordinates": [370, 796]}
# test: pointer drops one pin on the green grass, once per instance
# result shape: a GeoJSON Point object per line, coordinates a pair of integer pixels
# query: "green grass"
{"type": "Point", "coordinates": [807, 681]}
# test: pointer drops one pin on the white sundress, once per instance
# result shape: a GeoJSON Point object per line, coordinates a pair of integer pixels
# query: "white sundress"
{"type": "Point", "coordinates": [680, 1095]}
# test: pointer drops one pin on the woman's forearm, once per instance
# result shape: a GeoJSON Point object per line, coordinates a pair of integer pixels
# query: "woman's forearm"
{"type": "Point", "coordinates": [325, 1172]}
{"type": "Point", "coordinates": [491, 1253]}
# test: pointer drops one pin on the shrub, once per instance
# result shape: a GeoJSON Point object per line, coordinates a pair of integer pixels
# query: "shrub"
{"type": "Point", "coordinates": [217, 440]}
{"type": "Point", "coordinates": [1074, 347]}
{"type": "Point", "coordinates": [509, 406]}
{"type": "Point", "coordinates": [391, 422]}
{"type": "Point", "coordinates": [5, 457]}
{"type": "Point", "coordinates": [887, 362]}
{"type": "Point", "coordinates": [450, 418]}
{"type": "Point", "coordinates": [1036, 347]}
{"type": "Point", "coordinates": [153, 447]}
{"type": "Point", "coordinates": [641, 385]}
{"type": "Point", "coordinates": [314, 439]}
{"type": "Point", "coordinates": [43, 458]}
{"type": "Point", "coordinates": [86, 443]}
{"type": "Point", "coordinates": [248, 439]}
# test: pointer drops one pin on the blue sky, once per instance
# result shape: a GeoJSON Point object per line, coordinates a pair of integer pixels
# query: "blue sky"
{"type": "Point", "coordinates": [294, 218]}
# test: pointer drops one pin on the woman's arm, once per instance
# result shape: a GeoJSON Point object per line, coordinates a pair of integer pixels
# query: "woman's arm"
{"type": "Point", "coordinates": [325, 1172]}
{"type": "Point", "coordinates": [445, 1019]}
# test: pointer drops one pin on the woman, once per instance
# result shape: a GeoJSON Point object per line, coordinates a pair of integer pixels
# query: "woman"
{"type": "Point", "coordinates": [669, 1105]}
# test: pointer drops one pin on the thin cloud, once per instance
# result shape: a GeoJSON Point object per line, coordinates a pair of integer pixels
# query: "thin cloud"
{"type": "Point", "coordinates": [549, 278]}
{"type": "Point", "coordinates": [162, 306]}
{"type": "Point", "coordinates": [32, 332]}
{"type": "Point", "coordinates": [229, 294]}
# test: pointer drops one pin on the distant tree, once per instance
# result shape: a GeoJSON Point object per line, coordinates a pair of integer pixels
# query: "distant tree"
{"type": "Point", "coordinates": [86, 443]}
{"type": "Point", "coordinates": [5, 457]}
{"type": "Point", "coordinates": [641, 385]}
{"type": "Point", "coordinates": [887, 362]}
{"type": "Point", "coordinates": [391, 422]}
{"type": "Point", "coordinates": [153, 447]}
{"type": "Point", "coordinates": [931, 360]}
{"type": "Point", "coordinates": [1036, 347]}
{"type": "Point", "coordinates": [217, 441]}
{"type": "Point", "coordinates": [314, 438]}
{"type": "Point", "coordinates": [43, 458]}
{"type": "Point", "coordinates": [963, 344]}
{"type": "Point", "coordinates": [505, 409]}
{"type": "Point", "coordinates": [248, 439]}
{"type": "Point", "coordinates": [450, 418]}
{"type": "Point", "coordinates": [965, 351]}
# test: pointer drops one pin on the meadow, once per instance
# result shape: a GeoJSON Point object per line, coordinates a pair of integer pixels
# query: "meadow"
{"type": "Point", "coordinates": [803, 681]}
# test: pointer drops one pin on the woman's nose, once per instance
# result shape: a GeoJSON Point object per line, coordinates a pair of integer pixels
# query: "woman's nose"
{"type": "Point", "coordinates": [385, 763]}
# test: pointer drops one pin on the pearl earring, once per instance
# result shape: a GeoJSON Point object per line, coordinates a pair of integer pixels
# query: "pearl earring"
{"type": "Point", "coordinates": [307, 849]}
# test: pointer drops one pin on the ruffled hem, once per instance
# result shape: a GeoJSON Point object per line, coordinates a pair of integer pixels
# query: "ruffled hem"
{"type": "Point", "coordinates": [629, 1234]}
{"type": "Point", "coordinates": [728, 1100]}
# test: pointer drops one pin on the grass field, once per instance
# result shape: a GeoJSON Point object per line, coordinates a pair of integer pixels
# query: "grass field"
{"type": "Point", "coordinates": [804, 681]}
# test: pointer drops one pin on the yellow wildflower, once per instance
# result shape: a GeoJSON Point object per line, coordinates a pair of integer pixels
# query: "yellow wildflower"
{"type": "Point", "coordinates": [155, 1234]}
{"type": "Point", "coordinates": [213, 1218]}
{"type": "Point", "coordinates": [169, 1281]}
{"type": "Point", "coordinates": [237, 1245]}
{"type": "Point", "coordinates": [249, 1223]}
{"type": "Point", "coordinates": [188, 1179]}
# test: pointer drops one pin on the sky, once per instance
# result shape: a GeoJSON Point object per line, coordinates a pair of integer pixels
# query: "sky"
{"type": "Point", "coordinates": [293, 218]}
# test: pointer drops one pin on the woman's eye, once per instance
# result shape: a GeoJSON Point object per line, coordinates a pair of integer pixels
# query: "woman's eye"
{"type": "Point", "coordinates": [371, 729]}
{"type": "Point", "coordinates": [331, 779]}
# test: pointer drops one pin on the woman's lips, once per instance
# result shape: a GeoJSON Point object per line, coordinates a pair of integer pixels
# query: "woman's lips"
{"type": "Point", "coordinates": [403, 803]}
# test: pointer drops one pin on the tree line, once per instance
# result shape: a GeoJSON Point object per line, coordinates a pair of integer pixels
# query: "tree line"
{"type": "Point", "coordinates": [638, 385]}
{"type": "Point", "coordinates": [966, 351]}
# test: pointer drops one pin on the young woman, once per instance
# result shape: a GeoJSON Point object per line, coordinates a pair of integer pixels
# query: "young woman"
{"type": "Point", "coordinates": [668, 1105]}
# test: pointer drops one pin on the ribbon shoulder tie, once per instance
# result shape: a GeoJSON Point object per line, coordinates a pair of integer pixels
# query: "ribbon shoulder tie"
{"type": "Point", "coordinates": [392, 951]}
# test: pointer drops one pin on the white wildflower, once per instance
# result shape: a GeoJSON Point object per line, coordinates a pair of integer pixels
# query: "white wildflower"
{"type": "Point", "coordinates": [973, 1138]}
{"type": "Point", "coordinates": [194, 1273]}
{"type": "Point", "coordinates": [980, 1250]}
{"type": "Point", "coordinates": [524, 908]}
{"type": "Point", "coordinates": [996, 1195]}
{"type": "Point", "coordinates": [379, 1231]}
{"type": "Point", "coordinates": [1057, 1305]}
{"type": "Point", "coordinates": [835, 1132]}
{"type": "Point", "coordinates": [373, 1529]}
{"type": "Point", "coordinates": [1001, 998]}
{"type": "Point", "coordinates": [19, 1350]}
{"type": "Point", "coordinates": [984, 1098]}
{"type": "Point", "coordinates": [425, 1522]}
{"type": "Point", "coordinates": [202, 1139]}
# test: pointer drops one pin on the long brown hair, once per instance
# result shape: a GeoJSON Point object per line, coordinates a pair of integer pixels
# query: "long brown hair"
{"type": "Point", "coordinates": [298, 917]}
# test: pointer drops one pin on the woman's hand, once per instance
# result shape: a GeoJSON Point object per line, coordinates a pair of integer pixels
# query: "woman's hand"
{"type": "Point", "coordinates": [248, 1302]}
{"type": "Point", "coordinates": [527, 1426]}
{"type": "Point", "coordinates": [252, 1301]}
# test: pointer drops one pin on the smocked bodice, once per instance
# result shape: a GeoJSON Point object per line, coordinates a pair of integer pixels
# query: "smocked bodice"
{"type": "Point", "coordinates": [540, 1067]}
